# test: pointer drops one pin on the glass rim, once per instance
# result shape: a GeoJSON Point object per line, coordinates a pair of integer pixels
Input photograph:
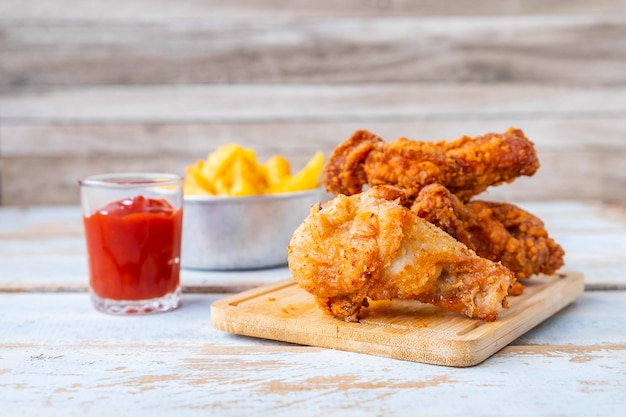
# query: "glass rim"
{"type": "Point", "coordinates": [130, 180]}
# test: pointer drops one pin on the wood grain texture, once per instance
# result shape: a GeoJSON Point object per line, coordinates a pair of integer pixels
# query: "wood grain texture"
{"type": "Point", "coordinates": [43, 249]}
{"type": "Point", "coordinates": [579, 132]}
{"type": "Point", "coordinates": [399, 329]}
{"type": "Point", "coordinates": [539, 49]}
{"type": "Point", "coordinates": [149, 380]}
{"type": "Point", "coordinates": [26, 10]}
{"type": "Point", "coordinates": [108, 86]}
{"type": "Point", "coordinates": [54, 364]}
{"type": "Point", "coordinates": [586, 180]}
{"type": "Point", "coordinates": [96, 86]}
{"type": "Point", "coordinates": [191, 324]}
{"type": "Point", "coordinates": [54, 315]}
{"type": "Point", "coordinates": [249, 103]}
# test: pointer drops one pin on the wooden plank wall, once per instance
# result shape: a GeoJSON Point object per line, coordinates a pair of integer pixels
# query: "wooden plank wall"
{"type": "Point", "coordinates": [93, 86]}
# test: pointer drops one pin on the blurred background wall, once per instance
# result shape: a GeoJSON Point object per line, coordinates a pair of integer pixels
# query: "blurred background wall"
{"type": "Point", "coordinates": [154, 85]}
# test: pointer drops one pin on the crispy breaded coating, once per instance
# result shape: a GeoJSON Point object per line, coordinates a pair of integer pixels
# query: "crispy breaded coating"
{"type": "Point", "coordinates": [467, 166]}
{"type": "Point", "coordinates": [367, 247]}
{"type": "Point", "coordinates": [496, 231]}
{"type": "Point", "coordinates": [343, 172]}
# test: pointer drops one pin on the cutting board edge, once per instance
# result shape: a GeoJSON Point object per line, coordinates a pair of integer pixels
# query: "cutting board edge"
{"type": "Point", "coordinates": [575, 283]}
{"type": "Point", "coordinates": [279, 332]}
{"type": "Point", "coordinates": [468, 352]}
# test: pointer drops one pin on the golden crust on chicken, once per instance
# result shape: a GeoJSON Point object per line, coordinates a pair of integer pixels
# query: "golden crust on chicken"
{"type": "Point", "coordinates": [466, 166]}
{"type": "Point", "coordinates": [364, 246]}
{"type": "Point", "coordinates": [494, 230]}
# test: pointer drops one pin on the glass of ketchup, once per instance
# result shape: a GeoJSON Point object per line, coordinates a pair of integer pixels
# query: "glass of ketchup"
{"type": "Point", "coordinates": [133, 227]}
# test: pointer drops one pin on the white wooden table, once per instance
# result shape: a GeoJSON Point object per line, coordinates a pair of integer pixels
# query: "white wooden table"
{"type": "Point", "coordinates": [58, 356]}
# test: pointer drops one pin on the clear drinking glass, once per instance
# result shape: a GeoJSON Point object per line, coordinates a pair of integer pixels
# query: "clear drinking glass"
{"type": "Point", "coordinates": [133, 227]}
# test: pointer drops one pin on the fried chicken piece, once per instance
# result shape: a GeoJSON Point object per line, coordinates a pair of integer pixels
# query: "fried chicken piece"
{"type": "Point", "coordinates": [366, 247]}
{"type": "Point", "coordinates": [466, 166]}
{"type": "Point", "coordinates": [344, 173]}
{"type": "Point", "coordinates": [496, 231]}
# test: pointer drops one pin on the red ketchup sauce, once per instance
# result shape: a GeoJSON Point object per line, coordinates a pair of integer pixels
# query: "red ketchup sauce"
{"type": "Point", "coordinates": [134, 249]}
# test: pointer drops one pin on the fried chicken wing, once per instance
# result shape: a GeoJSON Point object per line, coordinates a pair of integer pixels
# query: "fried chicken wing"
{"type": "Point", "coordinates": [496, 231]}
{"type": "Point", "coordinates": [364, 246]}
{"type": "Point", "coordinates": [343, 172]}
{"type": "Point", "coordinates": [467, 166]}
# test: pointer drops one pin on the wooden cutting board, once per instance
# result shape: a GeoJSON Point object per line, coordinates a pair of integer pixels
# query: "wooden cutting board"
{"type": "Point", "coordinates": [401, 329]}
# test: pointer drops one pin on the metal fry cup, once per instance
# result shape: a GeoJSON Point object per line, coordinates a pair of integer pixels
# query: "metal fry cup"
{"type": "Point", "coordinates": [236, 233]}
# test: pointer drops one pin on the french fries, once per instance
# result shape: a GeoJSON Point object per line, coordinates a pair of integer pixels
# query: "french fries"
{"type": "Point", "coordinates": [232, 170]}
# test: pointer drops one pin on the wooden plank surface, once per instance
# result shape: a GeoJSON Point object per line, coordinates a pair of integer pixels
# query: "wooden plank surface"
{"type": "Point", "coordinates": [541, 49]}
{"type": "Point", "coordinates": [207, 9]}
{"type": "Point", "coordinates": [177, 363]}
{"type": "Point", "coordinates": [54, 316]}
{"type": "Point", "coordinates": [302, 102]}
{"type": "Point", "coordinates": [579, 132]}
{"type": "Point", "coordinates": [108, 86]}
{"type": "Point", "coordinates": [150, 84]}
{"type": "Point", "coordinates": [43, 249]}
{"type": "Point", "coordinates": [399, 329]}
{"type": "Point", "coordinates": [55, 364]}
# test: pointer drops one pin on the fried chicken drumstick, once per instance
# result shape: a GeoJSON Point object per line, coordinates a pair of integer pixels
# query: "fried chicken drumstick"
{"type": "Point", "coordinates": [496, 231]}
{"type": "Point", "coordinates": [365, 246]}
{"type": "Point", "coordinates": [466, 166]}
